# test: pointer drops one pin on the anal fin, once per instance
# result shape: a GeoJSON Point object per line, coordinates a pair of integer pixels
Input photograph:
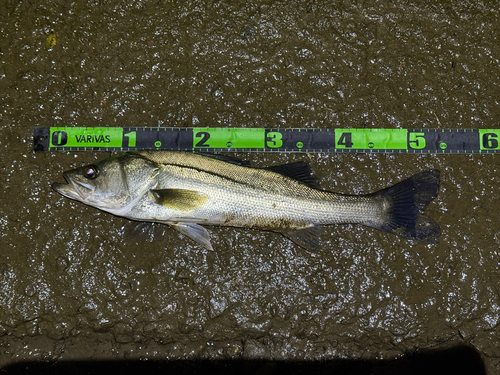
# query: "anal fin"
{"type": "Point", "coordinates": [308, 238]}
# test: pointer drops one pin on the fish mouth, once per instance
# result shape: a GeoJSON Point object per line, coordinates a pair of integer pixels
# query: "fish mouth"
{"type": "Point", "coordinates": [73, 189]}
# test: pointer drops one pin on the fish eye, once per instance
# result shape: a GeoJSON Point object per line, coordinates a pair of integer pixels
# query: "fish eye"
{"type": "Point", "coordinates": [91, 172]}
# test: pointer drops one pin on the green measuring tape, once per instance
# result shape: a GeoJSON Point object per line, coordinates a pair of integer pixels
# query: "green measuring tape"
{"type": "Point", "coordinates": [414, 141]}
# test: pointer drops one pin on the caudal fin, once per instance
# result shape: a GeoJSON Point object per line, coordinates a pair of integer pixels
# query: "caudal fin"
{"type": "Point", "coordinates": [406, 202]}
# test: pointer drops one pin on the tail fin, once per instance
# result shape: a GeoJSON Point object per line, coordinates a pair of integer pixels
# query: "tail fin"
{"type": "Point", "coordinates": [406, 203]}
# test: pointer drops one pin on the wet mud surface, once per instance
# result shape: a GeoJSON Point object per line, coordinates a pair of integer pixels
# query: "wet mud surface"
{"type": "Point", "coordinates": [73, 289]}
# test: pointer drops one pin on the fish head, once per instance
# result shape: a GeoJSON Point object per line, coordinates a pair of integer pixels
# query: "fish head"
{"type": "Point", "coordinates": [109, 185]}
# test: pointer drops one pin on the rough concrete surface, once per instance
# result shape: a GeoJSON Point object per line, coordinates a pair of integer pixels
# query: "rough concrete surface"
{"type": "Point", "coordinates": [72, 288]}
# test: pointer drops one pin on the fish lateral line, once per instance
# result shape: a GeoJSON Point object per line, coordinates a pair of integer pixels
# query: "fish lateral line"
{"type": "Point", "coordinates": [283, 199]}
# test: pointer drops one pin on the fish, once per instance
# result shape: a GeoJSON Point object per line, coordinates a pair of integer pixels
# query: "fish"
{"type": "Point", "coordinates": [189, 190]}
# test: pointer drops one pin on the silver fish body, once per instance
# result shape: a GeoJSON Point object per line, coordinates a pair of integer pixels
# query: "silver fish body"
{"type": "Point", "coordinates": [188, 190]}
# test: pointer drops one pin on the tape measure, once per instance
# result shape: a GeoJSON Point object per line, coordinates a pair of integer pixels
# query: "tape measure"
{"type": "Point", "coordinates": [403, 141]}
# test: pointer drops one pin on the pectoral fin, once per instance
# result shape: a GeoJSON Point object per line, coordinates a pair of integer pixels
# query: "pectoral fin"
{"type": "Point", "coordinates": [308, 238]}
{"type": "Point", "coordinates": [195, 232]}
{"type": "Point", "coordinates": [179, 199]}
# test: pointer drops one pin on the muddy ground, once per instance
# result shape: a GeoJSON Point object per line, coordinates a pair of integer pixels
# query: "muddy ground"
{"type": "Point", "coordinates": [73, 289]}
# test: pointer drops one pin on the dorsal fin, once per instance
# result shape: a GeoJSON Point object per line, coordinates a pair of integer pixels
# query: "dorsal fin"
{"type": "Point", "coordinates": [299, 171]}
{"type": "Point", "coordinates": [166, 156]}
{"type": "Point", "coordinates": [226, 158]}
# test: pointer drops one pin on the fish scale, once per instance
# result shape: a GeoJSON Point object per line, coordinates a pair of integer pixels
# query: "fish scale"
{"type": "Point", "coordinates": [186, 190]}
{"type": "Point", "coordinates": [250, 206]}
